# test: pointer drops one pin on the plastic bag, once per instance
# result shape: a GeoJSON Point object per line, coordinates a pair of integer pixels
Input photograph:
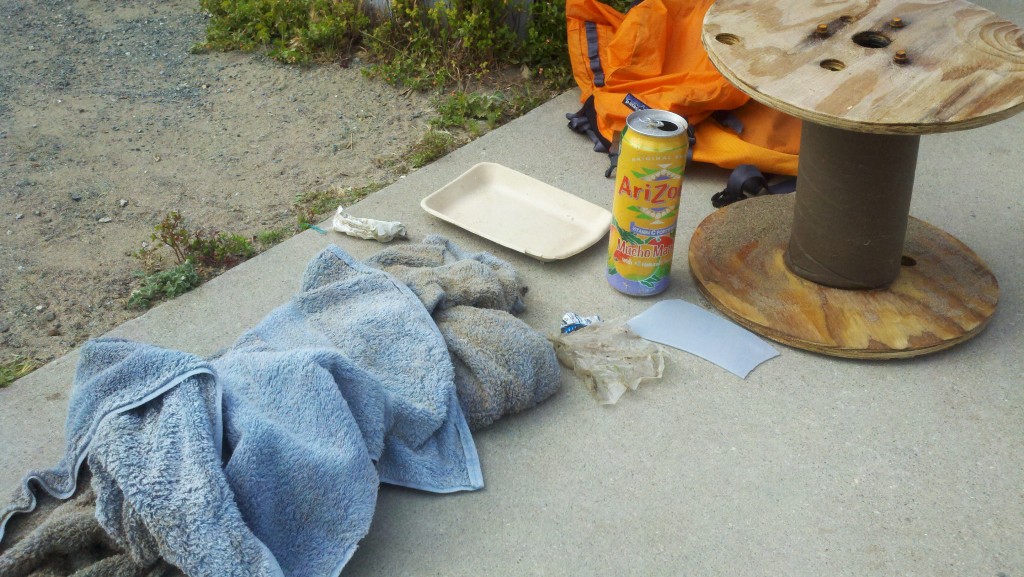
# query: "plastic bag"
{"type": "Point", "coordinates": [368, 228]}
{"type": "Point", "coordinates": [609, 358]}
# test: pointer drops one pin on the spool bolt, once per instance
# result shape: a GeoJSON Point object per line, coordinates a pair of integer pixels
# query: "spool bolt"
{"type": "Point", "coordinates": [901, 57]}
{"type": "Point", "coordinates": [897, 22]}
{"type": "Point", "coordinates": [821, 31]}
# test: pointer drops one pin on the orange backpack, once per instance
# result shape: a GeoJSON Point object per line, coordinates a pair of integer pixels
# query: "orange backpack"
{"type": "Point", "coordinates": [652, 57]}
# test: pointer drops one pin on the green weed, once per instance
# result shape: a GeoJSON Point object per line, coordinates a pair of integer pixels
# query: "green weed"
{"type": "Point", "coordinates": [14, 369]}
{"type": "Point", "coordinates": [204, 249]}
{"type": "Point", "coordinates": [546, 49]}
{"type": "Point", "coordinates": [452, 41]}
{"type": "Point", "coordinates": [468, 109]}
{"type": "Point", "coordinates": [433, 145]}
{"type": "Point", "coordinates": [293, 31]}
{"type": "Point", "coordinates": [421, 46]}
{"type": "Point", "coordinates": [219, 250]}
{"type": "Point", "coordinates": [165, 284]}
{"type": "Point", "coordinates": [199, 254]}
{"type": "Point", "coordinates": [463, 109]}
{"type": "Point", "coordinates": [269, 238]}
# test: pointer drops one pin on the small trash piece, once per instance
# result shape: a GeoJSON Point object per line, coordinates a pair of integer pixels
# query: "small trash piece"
{"type": "Point", "coordinates": [609, 358]}
{"type": "Point", "coordinates": [572, 322]}
{"type": "Point", "coordinates": [367, 228]}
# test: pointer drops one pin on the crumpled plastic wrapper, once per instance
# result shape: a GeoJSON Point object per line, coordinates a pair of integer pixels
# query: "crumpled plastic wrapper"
{"type": "Point", "coordinates": [574, 322]}
{"type": "Point", "coordinates": [368, 228]}
{"type": "Point", "coordinates": [609, 358]}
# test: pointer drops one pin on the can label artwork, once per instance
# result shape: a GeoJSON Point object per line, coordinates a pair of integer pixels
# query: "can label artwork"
{"type": "Point", "coordinates": [648, 181]}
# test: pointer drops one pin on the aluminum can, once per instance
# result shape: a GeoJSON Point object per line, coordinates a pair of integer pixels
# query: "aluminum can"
{"type": "Point", "coordinates": [648, 181]}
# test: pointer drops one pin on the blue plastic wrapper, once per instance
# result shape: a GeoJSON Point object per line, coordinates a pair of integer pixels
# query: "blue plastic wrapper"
{"type": "Point", "coordinates": [574, 322]}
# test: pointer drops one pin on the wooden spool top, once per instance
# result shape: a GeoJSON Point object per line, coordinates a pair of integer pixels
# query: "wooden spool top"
{"type": "Point", "coordinates": [964, 65]}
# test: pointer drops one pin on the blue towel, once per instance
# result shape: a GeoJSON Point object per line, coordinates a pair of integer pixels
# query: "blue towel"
{"type": "Point", "coordinates": [266, 459]}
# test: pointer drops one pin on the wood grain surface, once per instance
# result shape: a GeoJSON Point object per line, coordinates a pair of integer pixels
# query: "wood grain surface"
{"type": "Point", "coordinates": [944, 295]}
{"type": "Point", "coordinates": [964, 64]}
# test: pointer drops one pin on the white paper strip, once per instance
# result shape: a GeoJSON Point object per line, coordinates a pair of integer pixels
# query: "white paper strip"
{"type": "Point", "coordinates": [685, 326]}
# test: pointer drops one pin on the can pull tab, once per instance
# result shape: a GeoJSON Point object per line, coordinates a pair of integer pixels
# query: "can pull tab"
{"type": "Point", "coordinates": [662, 125]}
{"type": "Point", "coordinates": [656, 123]}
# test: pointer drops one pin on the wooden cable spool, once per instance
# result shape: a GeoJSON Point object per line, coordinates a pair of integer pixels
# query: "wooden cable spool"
{"type": "Point", "coordinates": [843, 269]}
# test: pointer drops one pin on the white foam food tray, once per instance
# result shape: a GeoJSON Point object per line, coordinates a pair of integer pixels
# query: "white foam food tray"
{"type": "Point", "coordinates": [519, 212]}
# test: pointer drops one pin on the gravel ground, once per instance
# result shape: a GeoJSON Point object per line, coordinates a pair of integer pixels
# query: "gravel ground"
{"type": "Point", "coordinates": [108, 122]}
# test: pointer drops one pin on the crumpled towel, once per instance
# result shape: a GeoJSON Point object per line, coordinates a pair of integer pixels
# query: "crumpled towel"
{"type": "Point", "coordinates": [502, 365]}
{"type": "Point", "coordinates": [266, 459]}
{"type": "Point", "coordinates": [70, 541]}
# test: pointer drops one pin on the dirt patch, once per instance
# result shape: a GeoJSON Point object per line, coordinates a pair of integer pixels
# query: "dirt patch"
{"type": "Point", "coordinates": [107, 122]}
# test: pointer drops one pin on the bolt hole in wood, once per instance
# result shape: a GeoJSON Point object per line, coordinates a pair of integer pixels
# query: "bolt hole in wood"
{"type": "Point", "coordinates": [833, 64]}
{"type": "Point", "coordinates": [728, 39]}
{"type": "Point", "coordinates": [871, 39]}
{"type": "Point", "coordinates": [908, 261]}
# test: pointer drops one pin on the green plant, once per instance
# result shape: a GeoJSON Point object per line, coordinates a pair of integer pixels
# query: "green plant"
{"type": "Point", "coordinates": [546, 49]}
{"type": "Point", "coordinates": [204, 249]}
{"type": "Point", "coordinates": [165, 284]}
{"type": "Point", "coordinates": [148, 258]}
{"type": "Point", "coordinates": [433, 145]}
{"type": "Point", "coordinates": [416, 43]}
{"type": "Point", "coordinates": [199, 254]}
{"type": "Point", "coordinates": [459, 109]}
{"type": "Point", "coordinates": [451, 41]}
{"type": "Point", "coordinates": [219, 250]}
{"type": "Point", "coordinates": [15, 368]}
{"type": "Point", "coordinates": [294, 31]}
{"type": "Point", "coordinates": [268, 238]}
{"type": "Point", "coordinates": [477, 112]}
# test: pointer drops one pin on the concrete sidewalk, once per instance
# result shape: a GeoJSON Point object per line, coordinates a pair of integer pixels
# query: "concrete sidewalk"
{"type": "Point", "coordinates": [811, 466]}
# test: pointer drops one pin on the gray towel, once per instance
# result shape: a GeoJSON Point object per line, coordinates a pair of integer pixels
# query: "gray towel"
{"type": "Point", "coordinates": [443, 275]}
{"type": "Point", "coordinates": [69, 541]}
{"type": "Point", "coordinates": [502, 365]}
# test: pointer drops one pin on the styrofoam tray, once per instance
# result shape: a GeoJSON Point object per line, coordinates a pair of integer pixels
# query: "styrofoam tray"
{"type": "Point", "coordinates": [519, 212]}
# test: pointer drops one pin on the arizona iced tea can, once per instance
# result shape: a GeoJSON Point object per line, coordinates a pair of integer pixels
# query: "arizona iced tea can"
{"type": "Point", "coordinates": [648, 180]}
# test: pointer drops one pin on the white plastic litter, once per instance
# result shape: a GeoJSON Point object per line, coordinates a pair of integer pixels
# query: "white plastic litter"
{"type": "Point", "coordinates": [609, 358]}
{"type": "Point", "coordinates": [368, 228]}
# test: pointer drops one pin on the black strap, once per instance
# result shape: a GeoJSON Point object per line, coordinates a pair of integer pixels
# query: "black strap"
{"type": "Point", "coordinates": [594, 54]}
{"type": "Point", "coordinates": [584, 122]}
{"type": "Point", "coordinates": [747, 181]}
{"type": "Point", "coordinates": [729, 120]}
{"type": "Point", "coordinates": [691, 137]}
{"type": "Point", "coordinates": [613, 156]}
